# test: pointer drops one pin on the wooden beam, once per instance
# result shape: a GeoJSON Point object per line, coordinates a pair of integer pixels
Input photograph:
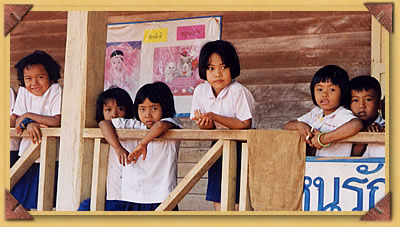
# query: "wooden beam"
{"type": "Point", "coordinates": [23, 164]}
{"type": "Point", "coordinates": [174, 134]}
{"type": "Point", "coordinates": [193, 134]}
{"type": "Point", "coordinates": [53, 132]}
{"type": "Point", "coordinates": [228, 181]}
{"type": "Point", "coordinates": [83, 81]}
{"type": "Point", "coordinates": [192, 177]}
{"type": "Point", "coordinates": [48, 154]}
{"type": "Point", "coordinates": [99, 179]}
{"type": "Point", "coordinates": [244, 197]}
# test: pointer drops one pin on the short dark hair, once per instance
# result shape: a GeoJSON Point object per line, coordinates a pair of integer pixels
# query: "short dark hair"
{"type": "Point", "coordinates": [157, 92]}
{"type": "Point", "coordinates": [226, 51]}
{"type": "Point", "coordinates": [335, 75]}
{"type": "Point", "coordinates": [116, 52]}
{"type": "Point", "coordinates": [365, 83]}
{"type": "Point", "coordinates": [38, 57]}
{"type": "Point", "coordinates": [121, 97]}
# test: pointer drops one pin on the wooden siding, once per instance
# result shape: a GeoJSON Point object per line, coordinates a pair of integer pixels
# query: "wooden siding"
{"type": "Point", "coordinates": [279, 53]}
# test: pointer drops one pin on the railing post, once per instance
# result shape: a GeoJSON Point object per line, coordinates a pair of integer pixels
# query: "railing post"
{"type": "Point", "coordinates": [46, 175]}
{"type": "Point", "coordinates": [244, 198]}
{"type": "Point", "coordinates": [228, 181]}
{"type": "Point", "coordinates": [23, 164]}
{"type": "Point", "coordinates": [99, 180]}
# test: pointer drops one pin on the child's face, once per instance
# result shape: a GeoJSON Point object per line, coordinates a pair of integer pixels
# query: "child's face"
{"type": "Point", "coordinates": [149, 112]}
{"type": "Point", "coordinates": [218, 75]}
{"type": "Point", "coordinates": [327, 96]}
{"type": "Point", "coordinates": [112, 110]}
{"type": "Point", "coordinates": [36, 79]}
{"type": "Point", "coordinates": [365, 104]}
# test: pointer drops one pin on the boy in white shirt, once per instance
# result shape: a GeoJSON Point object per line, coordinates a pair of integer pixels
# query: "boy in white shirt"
{"type": "Point", "coordinates": [365, 103]}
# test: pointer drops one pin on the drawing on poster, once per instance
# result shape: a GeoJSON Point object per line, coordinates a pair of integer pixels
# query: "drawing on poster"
{"type": "Point", "coordinates": [122, 66]}
{"type": "Point", "coordinates": [178, 67]}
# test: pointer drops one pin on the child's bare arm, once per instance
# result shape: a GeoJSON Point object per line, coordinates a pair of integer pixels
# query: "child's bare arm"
{"type": "Point", "coordinates": [229, 122]}
{"type": "Point", "coordinates": [346, 130]}
{"type": "Point", "coordinates": [155, 131]}
{"type": "Point", "coordinates": [303, 129]}
{"type": "Point", "coordinates": [110, 135]}
{"type": "Point", "coordinates": [13, 119]}
{"type": "Point", "coordinates": [51, 121]}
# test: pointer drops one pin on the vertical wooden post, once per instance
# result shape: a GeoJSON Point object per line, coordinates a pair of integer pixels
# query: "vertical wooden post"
{"type": "Point", "coordinates": [379, 51]}
{"type": "Point", "coordinates": [228, 181]}
{"type": "Point", "coordinates": [48, 155]}
{"type": "Point", "coordinates": [244, 198]}
{"type": "Point", "coordinates": [83, 82]}
{"type": "Point", "coordinates": [23, 164]}
{"type": "Point", "coordinates": [100, 166]}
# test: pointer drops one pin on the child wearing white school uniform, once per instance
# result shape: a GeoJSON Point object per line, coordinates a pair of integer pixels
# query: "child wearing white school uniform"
{"type": "Point", "coordinates": [329, 121]}
{"type": "Point", "coordinates": [38, 105]}
{"type": "Point", "coordinates": [14, 142]}
{"type": "Point", "coordinates": [221, 103]}
{"type": "Point", "coordinates": [365, 103]}
{"type": "Point", "coordinates": [115, 102]}
{"type": "Point", "coordinates": [150, 170]}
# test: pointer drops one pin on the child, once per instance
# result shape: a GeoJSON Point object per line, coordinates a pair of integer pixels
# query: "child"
{"type": "Point", "coordinates": [149, 179]}
{"type": "Point", "coordinates": [329, 121]}
{"type": "Point", "coordinates": [38, 105]}
{"type": "Point", "coordinates": [221, 102]}
{"type": "Point", "coordinates": [14, 142]}
{"type": "Point", "coordinates": [112, 103]}
{"type": "Point", "coordinates": [365, 102]}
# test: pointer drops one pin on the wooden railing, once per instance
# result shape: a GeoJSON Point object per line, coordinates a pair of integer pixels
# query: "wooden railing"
{"type": "Point", "coordinates": [225, 146]}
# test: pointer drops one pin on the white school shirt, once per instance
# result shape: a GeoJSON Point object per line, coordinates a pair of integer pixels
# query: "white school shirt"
{"type": "Point", "coordinates": [150, 180]}
{"type": "Point", "coordinates": [14, 142]}
{"type": "Point", "coordinates": [330, 123]}
{"type": "Point", "coordinates": [235, 100]}
{"type": "Point", "coordinates": [376, 150]}
{"type": "Point", "coordinates": [49, 104]}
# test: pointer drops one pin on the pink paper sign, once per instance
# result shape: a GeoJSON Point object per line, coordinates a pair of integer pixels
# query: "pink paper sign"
{"type": "Point", "coordinates": [191, 32]}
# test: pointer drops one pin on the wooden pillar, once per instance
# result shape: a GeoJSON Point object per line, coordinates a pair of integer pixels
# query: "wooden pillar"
{"type": "Point", "coordinates": [83, 82]}
{"type": "Point", "coordinates": [48, 155]}
{"type": "Point", "coordinates": [379, 52]}
{"type": "Point", "coordinates": [228, 184]}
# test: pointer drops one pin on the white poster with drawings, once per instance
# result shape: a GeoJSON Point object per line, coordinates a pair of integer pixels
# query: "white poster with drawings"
{"type": "Point", "coordinates": [166, 51]}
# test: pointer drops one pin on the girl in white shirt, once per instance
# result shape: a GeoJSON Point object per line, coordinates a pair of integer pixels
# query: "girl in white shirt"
{"type": "Point", "coordinates": [221, 103]}
{"type": "Point", "coordinates": [38, 105]}
{"type": "Point", "coordinates": [329, 121]}
{"type": "Point", "coordinates": [149, 171]}
{"type": "Point", "coordinates": [112, 103]}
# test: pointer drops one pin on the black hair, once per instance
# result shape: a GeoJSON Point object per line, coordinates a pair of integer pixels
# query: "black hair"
{"type": "Point", "coordinates": [38, 57]}
{"type": "Point", "coordinates": [365, 83]}
{"type": "Point", "coordinates": [121, 97]}
{"type": "Point", "coordinates": [116, 52]}
{"type": "Point", "coordinates": [335, 75]}
{"type": "Point", "coordinates": [226, 51]}
{"type": "Point", "coordinates": [157, 92]}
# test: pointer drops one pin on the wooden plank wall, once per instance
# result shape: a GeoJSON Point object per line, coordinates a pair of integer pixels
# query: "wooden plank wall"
{"type": "Point", "coordinates": [279, 53]}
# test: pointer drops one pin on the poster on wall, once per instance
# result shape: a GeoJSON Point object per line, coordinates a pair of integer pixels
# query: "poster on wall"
{"type": "Point", "coordinates": [144, 52]}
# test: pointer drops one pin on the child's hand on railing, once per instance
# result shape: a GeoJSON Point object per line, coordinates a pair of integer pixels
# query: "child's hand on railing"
{"type": "Point", "coordinates": [122, 156]}
{"type": "Point", "coordinates": [141, 149]}
{"type": "Point", "coordinates": [374, 127]}
{"type": "Point", "coordinates": [305, 132]}
{"type": "Point", "coordinates": [33, 130]}
{"type": "Point", "coordinates": [203, 120]}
